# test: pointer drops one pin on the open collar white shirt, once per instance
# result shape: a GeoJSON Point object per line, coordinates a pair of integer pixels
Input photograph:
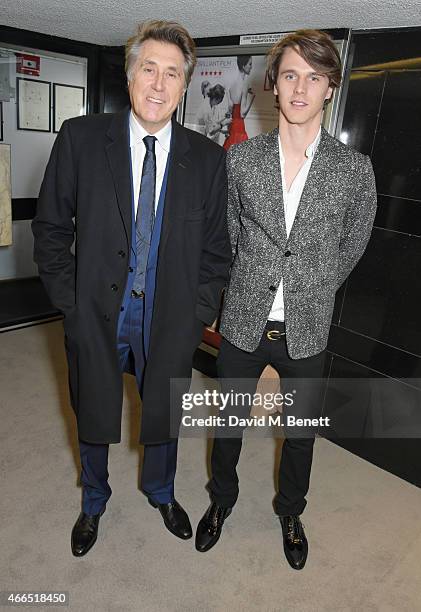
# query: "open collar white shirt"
{"type": "Point", "coordinates": [138, 150]}
{"type": "Point", "coordinates": [291, 200]}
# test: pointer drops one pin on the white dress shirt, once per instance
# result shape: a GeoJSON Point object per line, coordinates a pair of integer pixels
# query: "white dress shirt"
{"type": "Point", "coordinates": [138, 150]}
{"type": "Point", "coordinates": [291, 201]}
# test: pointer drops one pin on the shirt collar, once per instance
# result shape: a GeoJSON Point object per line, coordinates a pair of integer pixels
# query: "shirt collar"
{"type": "Point", "coordinates": [137, 133]}
{"type": "Point", "coordinates": [311, 149]}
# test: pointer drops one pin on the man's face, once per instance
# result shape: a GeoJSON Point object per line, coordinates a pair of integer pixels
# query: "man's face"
{"type": "Point", "coordinates": [157, 84]}
{"type": "Point", "coordinates": [300, 89]}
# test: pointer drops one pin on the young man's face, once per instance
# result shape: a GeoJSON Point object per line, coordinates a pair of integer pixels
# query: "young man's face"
{"type": "Point", "coordinates": [300, 89]}
{"type": "Point", "coordinates": [157, 84]}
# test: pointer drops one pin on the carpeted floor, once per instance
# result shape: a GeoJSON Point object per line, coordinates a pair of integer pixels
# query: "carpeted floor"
{"type": "Point", "coordinates": [363, 524]}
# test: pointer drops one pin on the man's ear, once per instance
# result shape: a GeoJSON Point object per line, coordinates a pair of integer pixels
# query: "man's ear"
{"type": "Point", "coordinates": [329, 93]}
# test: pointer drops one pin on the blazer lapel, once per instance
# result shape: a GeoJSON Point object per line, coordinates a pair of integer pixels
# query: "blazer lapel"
{"type": "Point", "coordinates": [311, 192]}
{"type": "Point", "coordinates": [274, 201]}
{"type": "Point", "coordinates": [118, 154]}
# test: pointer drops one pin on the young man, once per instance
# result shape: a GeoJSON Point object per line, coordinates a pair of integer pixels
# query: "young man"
{"type": "Point", "coordinates": [148, 199]}
{"type": "Point", "coordinates": [300, 211]}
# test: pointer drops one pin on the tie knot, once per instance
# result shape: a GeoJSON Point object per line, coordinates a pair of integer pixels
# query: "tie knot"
{"type": "Point", "coordinates": [149, 143]}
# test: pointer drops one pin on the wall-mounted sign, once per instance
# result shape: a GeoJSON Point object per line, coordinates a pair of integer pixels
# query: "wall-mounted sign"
{"type": "Point", "coordinates": [28, 64]}
{"type": "Point", "coordinates": [262, 39]}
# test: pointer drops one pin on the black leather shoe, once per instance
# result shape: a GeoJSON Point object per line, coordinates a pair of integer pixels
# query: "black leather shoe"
{"type": "Point", "coordinates": [175, 519]}
{"type": "Point", "coordinates": [295, 541]}
{"type": "Point", "coordinates": [85, 532]}
{"type": "Point", "coordinates": [210, 526]}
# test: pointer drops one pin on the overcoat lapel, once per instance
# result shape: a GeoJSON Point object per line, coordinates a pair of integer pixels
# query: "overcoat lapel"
{"type": "Point", "coordinates": [178, 176]}
{"type": "Point", "coordinates": [118, 154]}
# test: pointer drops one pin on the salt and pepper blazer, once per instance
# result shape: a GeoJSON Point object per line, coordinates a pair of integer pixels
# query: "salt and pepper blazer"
{"type": "Point", "coordinates": [329, 235]}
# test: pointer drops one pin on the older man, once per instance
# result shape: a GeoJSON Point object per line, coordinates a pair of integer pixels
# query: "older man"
{"type": "Point", "coordinates": [146, 199]}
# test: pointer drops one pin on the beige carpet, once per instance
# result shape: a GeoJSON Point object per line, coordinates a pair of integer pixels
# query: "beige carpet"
{"type": "Point", "coordinates": [363, 524]}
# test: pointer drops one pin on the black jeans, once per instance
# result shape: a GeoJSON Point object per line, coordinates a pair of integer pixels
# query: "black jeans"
{"type": "Point", "coordinates": [297, 453]}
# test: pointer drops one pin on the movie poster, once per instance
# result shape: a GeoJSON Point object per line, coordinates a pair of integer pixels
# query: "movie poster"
{"type": "Point", "coordinates": [229, 99]}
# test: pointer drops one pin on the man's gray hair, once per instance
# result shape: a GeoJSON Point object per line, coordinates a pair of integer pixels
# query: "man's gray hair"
{"type": "Point", "coordinates": [162, 31]}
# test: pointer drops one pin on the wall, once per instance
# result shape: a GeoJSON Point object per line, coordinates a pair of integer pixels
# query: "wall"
{"type": "Point", "coordinates": [113, 95]}
{"type": "Point", "coordinates": [377, 330]}
{"type": "Point", "coordinates": [16, 261]}
{"type": "Point", "coordinates": [30, 151]}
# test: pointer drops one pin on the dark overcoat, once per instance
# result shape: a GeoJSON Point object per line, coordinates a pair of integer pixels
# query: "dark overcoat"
{"type": "Point", "coordinates": [87, 192]}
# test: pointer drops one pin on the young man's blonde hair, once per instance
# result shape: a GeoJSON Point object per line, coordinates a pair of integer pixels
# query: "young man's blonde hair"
{"type": "Point", "coordinates": [315, 47]}
{"type": "Point", "coordinates": [162, 31]}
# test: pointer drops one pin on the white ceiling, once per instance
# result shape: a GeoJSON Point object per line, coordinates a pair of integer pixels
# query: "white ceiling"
{"type": "Point", "coordinates": [111, 22]}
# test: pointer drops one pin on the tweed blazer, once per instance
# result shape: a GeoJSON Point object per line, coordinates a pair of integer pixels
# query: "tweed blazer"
{"type": "Point", "coordinates": [329, 235]}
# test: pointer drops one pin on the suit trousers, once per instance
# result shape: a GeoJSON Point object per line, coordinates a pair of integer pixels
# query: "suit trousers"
{"type": "Point", "coordinates": [239, 371]}
{"type": "Point", "coordinates": [159, 460]}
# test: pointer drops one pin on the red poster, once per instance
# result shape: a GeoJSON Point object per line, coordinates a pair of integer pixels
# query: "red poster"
{"type": "Point", "coordinates": [28, 64]}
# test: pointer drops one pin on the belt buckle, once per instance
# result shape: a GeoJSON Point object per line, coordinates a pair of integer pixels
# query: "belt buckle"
{"type": "Point", "coordinates": [274, 334]}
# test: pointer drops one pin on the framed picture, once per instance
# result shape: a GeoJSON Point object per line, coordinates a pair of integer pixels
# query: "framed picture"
{"type": "Point", "coordinates": [216, 93]}
{"type": "Point", "coordinates": [33, 105]}
{"type": "Point", "coordinates": [68, 102]}
{"type": "Point", "coordinates": [1, 121]}
{"type": "Point", "coordinates": [5, 197]}
{"type": "Point", "coordinates": [229, 99]}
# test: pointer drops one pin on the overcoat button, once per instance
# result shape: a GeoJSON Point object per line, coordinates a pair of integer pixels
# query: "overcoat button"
{"type": "Point", "coordinates": [287, 253]}
{"type": "Point", "coordinates": [122, 254]}
{"type": "Point", "coordinates": [272, 288]}
{"type": "Point", "coordinates": [114, 287]}
{"type": "Point", "coordinates": [107, 317]}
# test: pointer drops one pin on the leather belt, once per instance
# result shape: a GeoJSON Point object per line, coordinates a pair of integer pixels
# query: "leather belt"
{"type": "Point", "coordinates": [135, 294]}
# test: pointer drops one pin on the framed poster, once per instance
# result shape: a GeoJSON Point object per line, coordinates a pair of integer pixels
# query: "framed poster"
{"type": "Point", "coordinates": [5, 197]}
{"type": "Point", "coordinates": [229, 99]}
{"type": "Point", "coordinates": [33, 105]}
{"type": "Point", "coordinates": [68, 102]}
{"type": "Point", "coordinates": [7, 75]}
